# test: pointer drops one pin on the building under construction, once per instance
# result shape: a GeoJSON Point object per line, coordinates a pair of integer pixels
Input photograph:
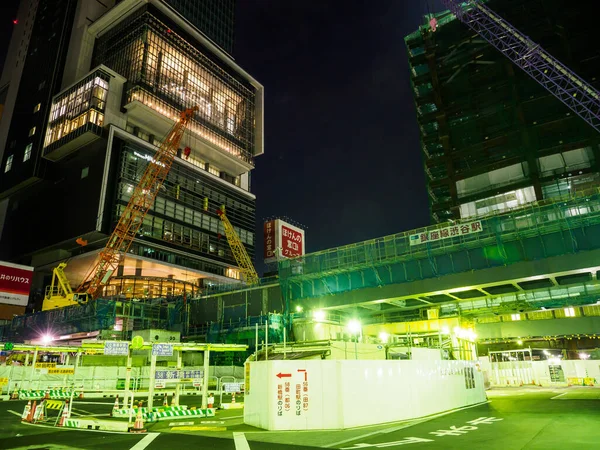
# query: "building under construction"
{"type": "Point", "coordinates": [492, 138]}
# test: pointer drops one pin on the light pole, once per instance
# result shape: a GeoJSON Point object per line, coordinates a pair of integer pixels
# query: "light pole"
{"type": "Point", "coordinates": [354, 327]}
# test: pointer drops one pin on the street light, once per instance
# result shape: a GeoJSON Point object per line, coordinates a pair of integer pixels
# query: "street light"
{"type": "Point", "coordinates": [383, 337]}
{"type": "Point", "coordinates": [354, 327]}
{"type": "Point", "coordinates": [46, 339]}
{"type": "Point", "coordinates": [319, 315]}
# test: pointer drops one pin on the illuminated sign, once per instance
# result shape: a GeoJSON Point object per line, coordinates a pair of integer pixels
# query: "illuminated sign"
{"type": "Point", "coordinates": [457, 230]}
{"type": "Point", "coordinates": [15, 282]}
{"type": "Point", "coordinates": [282, 240]}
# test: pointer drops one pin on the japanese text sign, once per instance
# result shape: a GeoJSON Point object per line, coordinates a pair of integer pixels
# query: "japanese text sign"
{"type": "Point", "coordinates": [282, 240]}
{"type": "Point", "coordinates": [116, 348]}
{"type": "Point", "coordinates": [15, 283]}
{"type": "Point", "coordinates": [162, 350]}
{"type": "Point", "coordinates": [457, 230]}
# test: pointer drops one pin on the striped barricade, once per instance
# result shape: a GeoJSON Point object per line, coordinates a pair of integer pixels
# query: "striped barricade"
{"type": "Point", "coordinates": [125, 411]}
{"type": "Point", "coordinates": [55, 394]}
{"type": "Point", "coordinates": [158, 415]}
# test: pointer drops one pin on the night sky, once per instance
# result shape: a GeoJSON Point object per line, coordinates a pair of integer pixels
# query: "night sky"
{"type": "Point", "coordinates": [341, 138]}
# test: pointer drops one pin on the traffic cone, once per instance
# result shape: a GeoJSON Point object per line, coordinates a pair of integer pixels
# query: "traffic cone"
{"type": "Point", "coordinates": [81, 394]}
{"type": "Point", "coordinates": [65, 414]}
{"type": "Point", "coordinates": [211, 401]}
{"type": "Point", "coordinates": [46, 394]}
{"type": "Point", "coordinates": [138, 427]}
{"type": "Point", "coordinates": [233, 398]}
{"type": "Point", "coordinates": [174, 400]}
{"type": "Point", "coordinates": [116, 406]}
{"type": "Point", "coordinates": [26, 411]}
{"type": "Point", "coordinates": [15, 394]}
{"type": "Point", "coordinates": [31, 412]}
{"type": "Point", "coordinates": [165, 400]}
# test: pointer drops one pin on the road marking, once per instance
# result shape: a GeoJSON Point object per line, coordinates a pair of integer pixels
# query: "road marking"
{"type": "Point", "coordinates": [14, 412]}
{"type": "Point", "coordinates": [145, 442]}
{"type": "Point", "coordinates": [559, 395]}
{"type": "Point", "coordinates": [233, 417]}
{"type": "Point", "coordinates": [240, 441]}
{"type": "Point", "coordinates": [92, 403]}
{"type": "Point", "coordinates": [406, 425]}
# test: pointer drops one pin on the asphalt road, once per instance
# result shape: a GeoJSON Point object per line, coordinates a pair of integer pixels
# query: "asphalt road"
{"type": "Point", "coordinates": [517, 418]}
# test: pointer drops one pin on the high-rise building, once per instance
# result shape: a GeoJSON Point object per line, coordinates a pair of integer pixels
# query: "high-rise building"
{"type": "Point", "coordinates": [492, 138]}
{"type": "Point", "coordinates": [89, 90]}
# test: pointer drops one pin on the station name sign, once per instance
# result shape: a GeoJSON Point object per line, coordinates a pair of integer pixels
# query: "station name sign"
{"type": "Point", "coordinates": [461, 229]}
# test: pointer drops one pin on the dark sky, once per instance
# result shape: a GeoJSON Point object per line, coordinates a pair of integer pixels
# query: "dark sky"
{"type": "Point", "coordinates": [341, 139]}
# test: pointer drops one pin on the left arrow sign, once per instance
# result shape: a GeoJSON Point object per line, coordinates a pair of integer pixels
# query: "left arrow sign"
{"type": "Point", "coordinates": [283, 375]}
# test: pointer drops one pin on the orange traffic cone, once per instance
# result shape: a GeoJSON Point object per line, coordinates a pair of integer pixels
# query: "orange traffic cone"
{"type": "Point", "coordinates": [165, 400]}
{"type": "Point", "coordinates": [31, 412]}
{"type": "Point", "coordinates": [26, 411]}
{"type": "Point", "coordinates": [46, 395]}
{"type": "Point", "coordinates": [174, 401]}
{"type": "Point", "coordinates": [233, 398]}
{"type": "Point", "coordinates": [116, 406]}
{"type": "Point", "coordinates": [211, 401]}
{"type": "Point", "coordinates": [15, 394]}
{"type": "Point", "coordinates": [138, 427]}
{"type": "Point", "coordinates": [65, 414]}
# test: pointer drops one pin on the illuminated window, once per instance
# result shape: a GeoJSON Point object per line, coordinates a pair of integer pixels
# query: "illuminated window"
{"type": "Point", "coordinates": [515, 316]}
{"type": "Point", "coordinates": [37, 107]}
{"type": "Point", "coordinates": [32, 131]}
{"type": "Point", "coordinates": [569, 312]}
{"type": "Point", "coordinates": [27, 153]}
{"type": "Point", "coordinates": [8, 165]}
{"type": "Point", "coordinates": [214, 170]}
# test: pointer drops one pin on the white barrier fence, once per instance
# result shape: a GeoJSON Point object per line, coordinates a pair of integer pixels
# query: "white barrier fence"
{"type": "Point", "coordinates": [107, 378]}
{"type": "Point", "coordinates": [542, 373]}
{"type": "Point", "coordinates": [330, 394]}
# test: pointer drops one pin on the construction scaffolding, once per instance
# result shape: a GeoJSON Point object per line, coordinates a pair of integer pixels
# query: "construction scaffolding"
{"type": "Point", "coordinates": [478, 113]}
{"type": "Point", "coordinates": [540, 230]}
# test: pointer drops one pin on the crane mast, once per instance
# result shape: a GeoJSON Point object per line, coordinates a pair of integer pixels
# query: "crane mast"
{"type": "Point", "coordinates": [557, 78]}
{"type": "Point", "coordinates": [239, 251]}
{"type": "Point", "coordinates": [141, 201]}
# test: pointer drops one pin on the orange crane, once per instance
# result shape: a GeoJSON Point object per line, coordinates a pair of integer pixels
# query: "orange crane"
{"type": "Point", "coordinates": [239, 251]}
{"type": "Point", "coordinates": [60, 294]}
{"type": "Point", "coordinates": [141, 201]}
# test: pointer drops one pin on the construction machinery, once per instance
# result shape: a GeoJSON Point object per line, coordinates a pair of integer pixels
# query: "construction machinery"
{"type": "Point", "coordinates": [555, 77]}
{"type": "Point", "coordinates": [239, 251]}
{"type": "Point", "coordinates": [59, 294]}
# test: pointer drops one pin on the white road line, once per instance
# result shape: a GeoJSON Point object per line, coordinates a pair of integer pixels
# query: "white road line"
{"type": "Point", "coordinates": [232, 417]}
{"type": "Point", "coordinates": [77, 402]}
{"type": "Point", "coordinates": [145, 442]}
{"type": "Point", "coordinates": [406, 425]}
{"type": "Point", "coordinates": [14, 412]}
{"type": "Point", "coordinates": [240, 441]}
{"type": "Point", "coordinates": [559, 395]}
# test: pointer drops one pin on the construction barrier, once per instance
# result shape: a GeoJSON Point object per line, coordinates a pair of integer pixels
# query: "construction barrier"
{"type": "Point", "coordinates": [125, 411]}
{"type": "Point", "coordinates": [96, 424]}
{"type": "Point", "coordinates": [156, 416]}
{"type": "Point", "coordinates": [55, 394]}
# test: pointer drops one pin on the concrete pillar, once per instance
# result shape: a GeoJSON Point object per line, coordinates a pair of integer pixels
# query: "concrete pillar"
{"type": "Point", "coordinates": [151, 385]}
{"type": "Point", "coordinates": [32, 371]}
{"type": "Point", "coordinates": [178, 385]}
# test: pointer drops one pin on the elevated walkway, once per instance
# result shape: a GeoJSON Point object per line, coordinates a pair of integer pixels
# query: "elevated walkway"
{"type": "Point", "coordinates": [547, 252]}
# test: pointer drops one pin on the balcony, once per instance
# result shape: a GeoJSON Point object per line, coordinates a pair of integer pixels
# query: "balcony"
{"type": "Point", "coordinates": [151, 113]}
{"type": "Point", "coordinates": [76, 116]}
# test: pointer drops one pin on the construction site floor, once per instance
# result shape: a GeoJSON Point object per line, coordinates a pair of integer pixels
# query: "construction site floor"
{"type": "Point", "coordinates": [514, 418]}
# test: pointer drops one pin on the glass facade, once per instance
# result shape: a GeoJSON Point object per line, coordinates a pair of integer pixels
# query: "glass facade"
{"type": "Point", "coordinates": [184, 212]}
{"type": "Point", "coordinates": [214, 18]}
{"type": "Point", "coordinates": [136, 287]}
{"type": "Point", "coordinates": [167, 73]}
{"type": "Point", "coordinates": [77, 110]}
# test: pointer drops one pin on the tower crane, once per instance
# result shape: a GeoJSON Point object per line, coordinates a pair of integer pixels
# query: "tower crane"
{"type": "Point", "coordinates": [239, 251]}
{"type": "Point", "coordinates": [60, 293]}
{"type": "Point", "coordinates": [578, 95]}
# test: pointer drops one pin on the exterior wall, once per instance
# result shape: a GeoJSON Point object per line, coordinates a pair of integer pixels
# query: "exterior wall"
{"type": "Point", "coordinates": [328, 392]}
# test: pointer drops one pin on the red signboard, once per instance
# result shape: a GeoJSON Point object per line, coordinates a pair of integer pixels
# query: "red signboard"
{"type": "Point", "coordinates": [15, 283]}
{"type": "Point", "coordinates": [291, 242]}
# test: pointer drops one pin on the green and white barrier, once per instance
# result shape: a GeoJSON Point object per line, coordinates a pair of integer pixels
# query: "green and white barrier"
{"type": "Point", "coordinates": [125, 411]}
{"type": "Point", "coordinates": [156, 416]}
{"type": "Point", "coordinates": [55, 394]}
